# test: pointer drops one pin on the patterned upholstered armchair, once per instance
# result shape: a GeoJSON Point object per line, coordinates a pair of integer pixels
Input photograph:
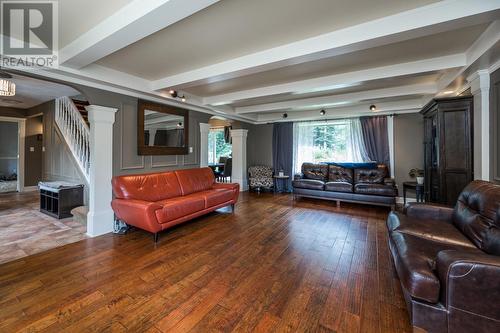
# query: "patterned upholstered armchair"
{"type": "Point", "coordinates": [260, 177]}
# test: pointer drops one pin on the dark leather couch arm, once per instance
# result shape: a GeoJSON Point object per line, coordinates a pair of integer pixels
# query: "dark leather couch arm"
{"type": "Point", "coordinates": [470, 281]}
{"type": "Point", "coordinates": [390, 181]}
{"type": "Point", "coordinates": [298, 176]}
{"type": "Point", "coordinates": [429, 211]}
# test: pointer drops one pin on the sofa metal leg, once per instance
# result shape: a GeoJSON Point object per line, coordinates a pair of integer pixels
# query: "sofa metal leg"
{"type": "Point", "coordinates": [156, 237]}
{"type": "Point", "coordinates": [232, 208]}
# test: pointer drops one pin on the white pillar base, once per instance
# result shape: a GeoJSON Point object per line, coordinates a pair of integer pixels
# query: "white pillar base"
{"type": "Point", "coordinates": [204, 128]}
{"type": "Point", "coordinates": [239, 153]}
{"type": "Point", "coordinates": [95, 225]}
{"type": "Point", "coordinates": [100, 216]}
{"type": "Point", "coordinates": [480, 89]}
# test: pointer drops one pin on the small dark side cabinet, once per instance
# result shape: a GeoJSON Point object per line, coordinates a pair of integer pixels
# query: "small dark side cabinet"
{"type": "Point", "coordinates": [448, 145]}
{"type": "Point", "coordinates": [58, 202]}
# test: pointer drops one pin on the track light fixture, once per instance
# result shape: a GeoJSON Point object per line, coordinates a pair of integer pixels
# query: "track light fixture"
{"type": "Point", "coordinates": [175, 94]}
{"type": "Point", "coordinates": [373, 108]}
{"type": "Point", "coordinates": [322, 112]}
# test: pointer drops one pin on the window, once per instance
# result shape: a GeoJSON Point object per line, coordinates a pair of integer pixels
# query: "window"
{"type": "Point", "coordinates": [217, 145]}
{"type": "Point", "coordinates": [328, 141]}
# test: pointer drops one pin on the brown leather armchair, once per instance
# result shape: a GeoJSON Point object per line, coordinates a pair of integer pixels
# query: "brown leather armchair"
{"type": "Point", "coordinates": [448, 261]}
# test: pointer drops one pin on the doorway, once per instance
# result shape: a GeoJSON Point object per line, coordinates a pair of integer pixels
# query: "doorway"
{"type": "Point", "coordinates": [11, 154]}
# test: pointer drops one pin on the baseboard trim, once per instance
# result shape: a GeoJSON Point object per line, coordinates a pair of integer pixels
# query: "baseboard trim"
{"type": "Point", "coordinates": [30, 188]}
{"type": "Point", "coordinates": [400, 200]}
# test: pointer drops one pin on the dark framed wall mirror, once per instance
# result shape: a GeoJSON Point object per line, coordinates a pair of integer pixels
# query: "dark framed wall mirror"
{"type": "Point", "coordinates": [162, 129]}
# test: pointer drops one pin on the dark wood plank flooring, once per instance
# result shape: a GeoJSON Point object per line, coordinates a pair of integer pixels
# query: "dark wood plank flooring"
{"type": "Point", "coordinates": [274, 265]}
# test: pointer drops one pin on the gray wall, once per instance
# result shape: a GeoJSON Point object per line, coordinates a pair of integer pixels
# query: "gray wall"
{"type": "Point", "coordinates": [259, 145]}
{"type": "Point", "coordinates": [8, 148]}
{"type": "Point", "coordinates": [12, 112]}
{"type": "Point", "coordinates": [125, 157]}
{"type": "Point", "coordinates": [33, 160]}
{"type": "Point", "coordinates": [408, 147]}
{"type": "Point", "coordinates": [58, 161]}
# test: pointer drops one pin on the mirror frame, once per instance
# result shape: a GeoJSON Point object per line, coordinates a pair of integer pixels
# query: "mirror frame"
{"type": "Point", "coordinates": [142, 149]}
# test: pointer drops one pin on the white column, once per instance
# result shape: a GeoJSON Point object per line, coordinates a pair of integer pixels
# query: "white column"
{"type": "Point", "coordinates": [100, 216]}
{"type": "Point", "coordinates": [152, 134]}
{"type": "Point", "coordinates": [480, 89]}
{"type": "Point", "coordinates": [204, 128]}
{"type": "Point", "coordinates": [239, 153]}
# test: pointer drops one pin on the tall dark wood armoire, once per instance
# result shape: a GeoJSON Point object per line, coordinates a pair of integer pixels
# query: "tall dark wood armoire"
{"type": "Point", "coordinates": [448, 148]}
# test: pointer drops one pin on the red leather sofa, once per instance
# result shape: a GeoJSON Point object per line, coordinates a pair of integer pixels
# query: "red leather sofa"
{"type": "Point", "coordinates": [158, 201]}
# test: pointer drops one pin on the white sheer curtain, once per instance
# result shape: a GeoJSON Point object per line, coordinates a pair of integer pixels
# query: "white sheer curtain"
{"type": "Point", "coordinates": [305, 149]}
{"type": "Point", "coordinates": [356, 151]}
{"type": "Point", "coordinates": [303, 140]}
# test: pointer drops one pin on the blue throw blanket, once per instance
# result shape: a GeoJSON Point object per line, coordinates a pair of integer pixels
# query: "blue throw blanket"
{"type": "Point", "coordinates": [354, 165]}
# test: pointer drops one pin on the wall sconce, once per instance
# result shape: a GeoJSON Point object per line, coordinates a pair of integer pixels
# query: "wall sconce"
{"type": "Point", "coordinates": [175, 94]}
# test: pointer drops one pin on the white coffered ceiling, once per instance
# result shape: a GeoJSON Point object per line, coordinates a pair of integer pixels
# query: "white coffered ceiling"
{"type": "Point", "coordinates": [254, 60]}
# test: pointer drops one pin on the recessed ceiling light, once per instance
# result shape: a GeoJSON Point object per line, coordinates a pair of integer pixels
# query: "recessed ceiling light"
{"type": "Point", "coordinates": [373, 107]}
{"type": "Point", "coordinates": [322, 112]}
{"type": "Point", "coordinates": [285, 115]}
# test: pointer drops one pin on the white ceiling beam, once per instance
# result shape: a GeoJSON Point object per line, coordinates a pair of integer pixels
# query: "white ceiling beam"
{"type": "Point", "coordinates": [418, 22]}
{"type": "Point", "coordinates": [404, 106]}
{"type": "Point", "coordinates": [487, 40]}
{"type": "Point", "coordinates": [131, 23]}
{"type": "Point", "coordinates": [342, 80]}
{"type": "Point", "coordinates": [342, 99]}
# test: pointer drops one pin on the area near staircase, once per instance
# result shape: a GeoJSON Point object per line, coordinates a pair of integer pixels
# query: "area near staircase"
{"type": "Point", "coordinates": [26, 231]}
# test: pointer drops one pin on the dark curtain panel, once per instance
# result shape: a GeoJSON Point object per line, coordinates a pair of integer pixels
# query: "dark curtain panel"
{"type": "Point", "coordinates": [375, 138]}
{"type": "Point", "coordinates": [283, 152]}
{"type": "Point", "coordinates": [227, 134]}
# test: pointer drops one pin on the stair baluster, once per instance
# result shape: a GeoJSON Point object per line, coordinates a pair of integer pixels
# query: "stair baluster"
{"type": "Point", "coordinates": [75, 131]}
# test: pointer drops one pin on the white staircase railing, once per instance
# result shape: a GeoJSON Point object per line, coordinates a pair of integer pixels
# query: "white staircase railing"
{"type": "Point", "coordinates": [75, 131]}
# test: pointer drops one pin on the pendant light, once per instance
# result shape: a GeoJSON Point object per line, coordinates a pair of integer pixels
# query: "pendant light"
{"type": "Point", "coordinates": [7, 87]}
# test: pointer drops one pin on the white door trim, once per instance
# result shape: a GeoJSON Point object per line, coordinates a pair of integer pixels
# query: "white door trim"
{"type": "Point", "coordinates": [21, 134]}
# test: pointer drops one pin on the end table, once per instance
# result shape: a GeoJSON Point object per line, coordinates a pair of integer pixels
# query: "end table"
{"type": "Point", "coordinates": [419, 190]}
{"type": "Point", "coordinates": [283, 179]}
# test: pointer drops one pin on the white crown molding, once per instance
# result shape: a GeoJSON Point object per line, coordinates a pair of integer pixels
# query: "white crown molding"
{"type": "Point", "coordinates": [386, 108]}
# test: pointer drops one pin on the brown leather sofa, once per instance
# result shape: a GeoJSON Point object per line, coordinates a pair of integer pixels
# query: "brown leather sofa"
{"type": "Point", "coordinates": [158, 201]}
{"type": "Point", "coordinates": [333, 182]}
{"type": "Point", "coordinates": [448, 261]}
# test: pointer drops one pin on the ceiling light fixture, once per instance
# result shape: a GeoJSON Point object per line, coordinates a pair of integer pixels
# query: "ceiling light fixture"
{"type": "Point", "coordinates": [322, 112]}
{"type": "Point", "coordinates": [285, 115]}
{"type": "Point", "coordinates": [175, 94]}
{"type": "Point", "coordinates": [373, 108]}
{"type": "Point", "coordinates": [7, 87]}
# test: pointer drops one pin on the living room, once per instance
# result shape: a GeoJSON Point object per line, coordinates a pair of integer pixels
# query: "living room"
{"type": "Point", "coordinates": [262, 166]}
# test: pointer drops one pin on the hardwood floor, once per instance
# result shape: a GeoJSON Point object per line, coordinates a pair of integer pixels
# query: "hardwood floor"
{"type": "Point", "coordinates": [24, 230]}
{"type": "Point", "coordinates": [272, 266]}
